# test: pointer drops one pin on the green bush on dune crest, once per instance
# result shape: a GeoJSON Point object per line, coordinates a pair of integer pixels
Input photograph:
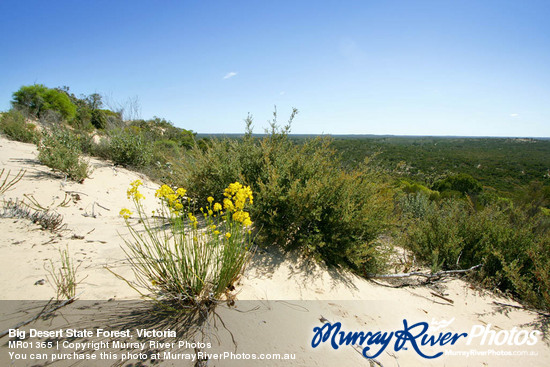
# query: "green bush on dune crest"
{"type": "Point", "coordinates": [128, 148]}
{"type": "Point", "coordinates": [303, 198]}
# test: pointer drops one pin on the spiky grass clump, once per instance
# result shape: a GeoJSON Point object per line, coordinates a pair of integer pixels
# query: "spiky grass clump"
{"type": "Point", "coordinates": [63, 279]}
{"type": "Point", "coordinates": [180, 260]}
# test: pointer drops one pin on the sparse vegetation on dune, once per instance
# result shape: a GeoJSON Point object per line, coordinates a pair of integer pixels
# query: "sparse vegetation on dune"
{"type": "Point", "coordinates": [453, 202]}
{"type": "Point", "coordinates": [63, 278]}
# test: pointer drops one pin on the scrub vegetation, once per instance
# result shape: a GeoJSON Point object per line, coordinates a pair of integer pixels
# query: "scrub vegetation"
{"type": "Point", "coordinates": [452, 202]}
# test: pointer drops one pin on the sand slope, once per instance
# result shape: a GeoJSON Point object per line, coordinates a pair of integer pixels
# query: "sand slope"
{"type": "Point", "coordinates": [285, 296]}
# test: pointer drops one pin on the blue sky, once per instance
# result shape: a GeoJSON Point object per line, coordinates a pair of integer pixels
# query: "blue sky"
{"type": "Point", "coordinates": [476, 68]}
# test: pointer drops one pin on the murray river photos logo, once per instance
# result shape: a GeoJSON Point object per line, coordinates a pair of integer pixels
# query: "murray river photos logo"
{"type": "Point", "coordinates": [419, 336]}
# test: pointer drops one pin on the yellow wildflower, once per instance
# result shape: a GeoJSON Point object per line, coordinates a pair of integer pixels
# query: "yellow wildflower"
{"type": "Point", "coordinates": [238, 195]}
{"type": "Point", "coordinates": [210, 199]}
{"type": "Point", "coordinates": [171, 198]}
{"type": "Point", "coordinates": [217, 207]}
{"type": "Point", "coordinates": [228, 204]}
{"type": "Point", "coordinates": [164, 191]}
{"type": "Point", "coordinates": [125, 213]}
{"type": "Point", "coordinates": [133, 191]}
{"type": "Point", "coordinates": [216, 232]}
{"type": "Point", "coordinates": [181, 192]}
{"type": "Point", "coordinates": [232, 189]}
{"type": "Point", "coordinates": [227, 235]}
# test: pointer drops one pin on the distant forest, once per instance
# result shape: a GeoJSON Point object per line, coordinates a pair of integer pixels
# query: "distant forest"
{"type": "Point", "coordinates": [505, 164]}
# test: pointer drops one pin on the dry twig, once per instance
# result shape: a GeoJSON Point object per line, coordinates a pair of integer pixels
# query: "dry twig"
{"type": "Point", "coordinates": [421, 274]}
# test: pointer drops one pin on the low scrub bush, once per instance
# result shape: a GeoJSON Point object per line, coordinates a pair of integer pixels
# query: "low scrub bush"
{"type": "Point", "coordinates": [183, 261]}
{"type": "Point", "coordinates": [13, 125]}
{"type": "Point", "coordinates": [166, 151]}
{"type": "Point", "coordinates": [128, 148]}
{"type": "Point", "coordinates": [415, 205]}
{"type": "Point", "coordinates": [454, 234]}
{"type": "Point", "coordinates": [461, 183]}
{"type": "Point", "coordinates": [304, 200]}
{"type": "Point", "coordinates": [60, 149]}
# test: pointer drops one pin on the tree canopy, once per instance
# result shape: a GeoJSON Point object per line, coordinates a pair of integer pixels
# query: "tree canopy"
{"type": "Point", "coordinates": [37, 99]}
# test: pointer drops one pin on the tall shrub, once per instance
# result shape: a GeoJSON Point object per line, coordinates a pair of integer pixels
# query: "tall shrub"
{"type": "Point", "coordinates": [304, 200]}
{"type": "Point", "coordinates": [37, 99]}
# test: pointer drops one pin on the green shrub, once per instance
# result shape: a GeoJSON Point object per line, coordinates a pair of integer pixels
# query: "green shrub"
{"type": "Point", "coordinates": [536, 289]}
{"type": "Point", "coordinates": [129, 148]}
{"type": "Point", "coordinates": [303, 200]}
{"type": "Point", "coordinates": [60, 149]}
{"type": "Point", "coordinates": [165, 151]}
{"type": "Point", "coordinates": [38, 99]}
{"type": "Point", "coordinates": [13, 125]}
{"type": "Point", "coordinates": [461, 183]}
{"type": "Point", "coordinates": [160, 129]}
{"type": "Point", "coordinates": [415, 205]}
{"type": "Point", "coordinates": [508, 242]}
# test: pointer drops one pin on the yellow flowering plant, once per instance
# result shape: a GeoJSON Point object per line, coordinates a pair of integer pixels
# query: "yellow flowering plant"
{"type": "Point", "coordinates": [182, 258]}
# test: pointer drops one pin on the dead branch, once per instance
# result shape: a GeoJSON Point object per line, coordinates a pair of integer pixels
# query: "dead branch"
{"type": "Point", "coordinates": [442, 297]}
{"type": "Point", "coordinates": [421, 274]}
{"type": "Point", "coordinates": [101, 206]}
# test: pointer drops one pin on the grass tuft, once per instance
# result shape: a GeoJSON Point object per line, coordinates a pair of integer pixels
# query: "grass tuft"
{"type": "Point", "coordinates": [182, 261]}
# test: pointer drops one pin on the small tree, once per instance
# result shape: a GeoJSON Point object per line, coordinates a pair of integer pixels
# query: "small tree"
{"type": "Point", "coordinates": [37, 99]}
{"type": "Point", "coordinates": [462, 183]}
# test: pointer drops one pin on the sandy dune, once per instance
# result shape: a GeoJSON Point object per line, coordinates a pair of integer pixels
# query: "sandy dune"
{"type": "Point", "coordinates": [284, 296]}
